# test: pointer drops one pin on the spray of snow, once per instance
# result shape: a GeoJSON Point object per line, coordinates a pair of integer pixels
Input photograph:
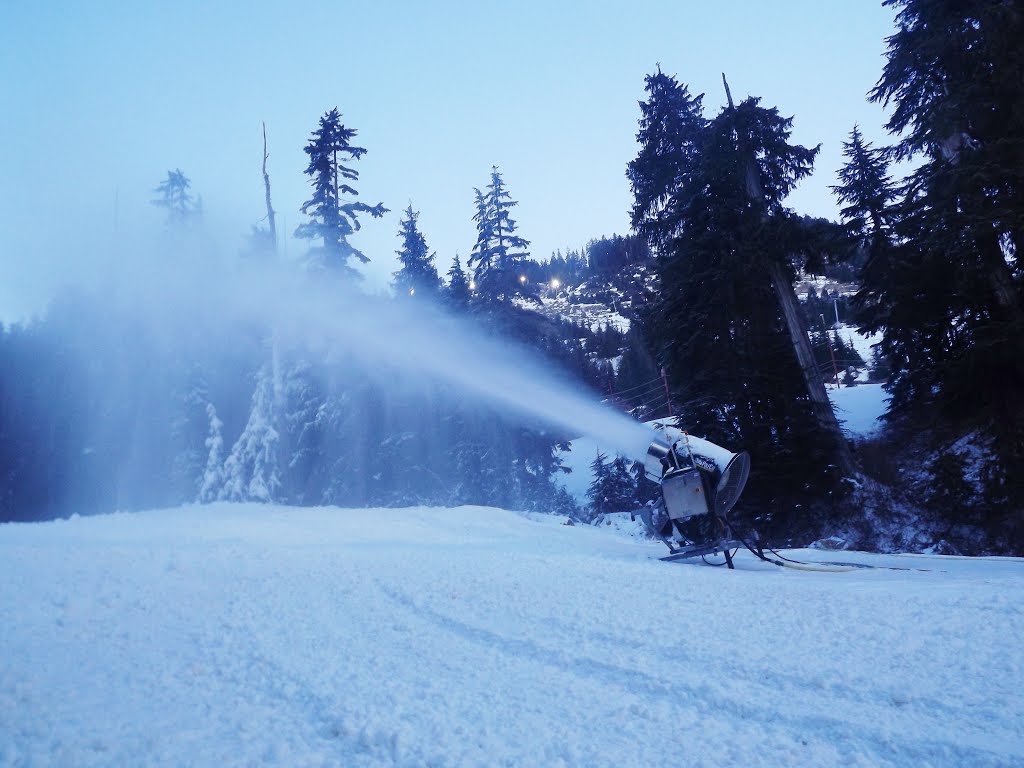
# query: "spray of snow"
{"type": "Point", "coordinates": [334, 320]}
{"type": "Point", "coordinates": [422, 340]}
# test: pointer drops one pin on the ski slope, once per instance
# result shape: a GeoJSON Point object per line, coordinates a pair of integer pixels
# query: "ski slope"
{"type": "Point", "coordinates": [860, 408]}
{"type": "Point", "coordinates": [239, 635]}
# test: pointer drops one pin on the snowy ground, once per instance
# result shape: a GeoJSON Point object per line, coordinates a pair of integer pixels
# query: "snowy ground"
{"type": "Point", "coordinates": [859, 407]}
{"type": "Point", "coordinates": [248, 635]}
{"type": "Point", "coordinates": [588, 315]}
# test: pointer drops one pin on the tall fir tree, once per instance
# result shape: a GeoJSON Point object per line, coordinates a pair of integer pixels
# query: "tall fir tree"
{"type": "Point", "coordinates": [953, 81]}
{"type": "Point", "coordinates": [597, 493]}
{"type": "Point", "coordinates": [671, 125]}
{"type": "Point", "coordinates": [867, 192]}
{"type": "Point", "coordinates": [174, 197]}
{"type": "Point", "coordinates": [458, 286]}
{"type": "Point", "coordinates": [712, 209]}
{"type": "Point", "coordinates": [333, 218]}
{"type": "Point", "coordinates": [417, 275]}
{"type": "Point", "coordinates": [498, 255]}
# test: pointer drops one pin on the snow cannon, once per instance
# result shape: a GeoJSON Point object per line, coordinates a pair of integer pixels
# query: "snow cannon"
{"type": "Point", "coordinates": [700, 483]}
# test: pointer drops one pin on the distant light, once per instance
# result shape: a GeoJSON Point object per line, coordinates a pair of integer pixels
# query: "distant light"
{"type": "Point", "coordinates": [555, 283]}
{"type": "Point", "coordinates": [472, 285]}
{"type": "Point", "coordinates": [412, 291]}
{"type": "Point", "coordinates": [522, 279]}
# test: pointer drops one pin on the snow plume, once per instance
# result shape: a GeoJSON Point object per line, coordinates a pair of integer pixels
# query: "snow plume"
{"type": "Point", "coordinates": [416, 339]}
{"type": "Point", "coordinates": [405, 337]}
{"type": "Point", "coordinates": [293, 386]}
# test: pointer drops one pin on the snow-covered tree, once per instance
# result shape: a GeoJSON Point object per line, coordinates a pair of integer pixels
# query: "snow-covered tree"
{"type": "Point", "coordinates": [212, 480]}
{"type": "Point", "coordinates": [251, 470]}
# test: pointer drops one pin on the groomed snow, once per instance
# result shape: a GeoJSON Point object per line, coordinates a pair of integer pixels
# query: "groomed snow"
{"type": "Point", "coordinates": [239, 635]}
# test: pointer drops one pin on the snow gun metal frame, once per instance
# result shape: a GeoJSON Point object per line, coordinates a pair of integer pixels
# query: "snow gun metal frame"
{"type": "Point", "coordinates": [700, 483]}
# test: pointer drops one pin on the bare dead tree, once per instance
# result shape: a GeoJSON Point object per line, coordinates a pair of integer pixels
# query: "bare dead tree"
{"type": "Point", "coordinates": [271, 223]}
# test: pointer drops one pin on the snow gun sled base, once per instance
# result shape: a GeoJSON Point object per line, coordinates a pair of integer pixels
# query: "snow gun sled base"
{"type": "Point", "coordinates": [700, 483]}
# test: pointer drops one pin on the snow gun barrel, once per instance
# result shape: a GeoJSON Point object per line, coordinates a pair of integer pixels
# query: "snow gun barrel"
{"type": "Point", "coordinates": [696, 475]}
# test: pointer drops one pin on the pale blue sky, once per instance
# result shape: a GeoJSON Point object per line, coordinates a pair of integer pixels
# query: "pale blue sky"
{"type": "Point", "coordinates": [98, 99]}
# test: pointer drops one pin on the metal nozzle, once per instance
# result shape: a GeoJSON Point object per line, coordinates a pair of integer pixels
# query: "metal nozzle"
{"type": "Point", "coordinates": [659, 454]}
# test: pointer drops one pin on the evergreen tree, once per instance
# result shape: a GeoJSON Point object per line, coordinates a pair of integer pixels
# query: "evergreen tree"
{"type": "Point", "coordinates": [952, 297]}
{"type": "Point", "coordinates": [417, 275]}
{"type": "Point", "coordinates": [880, 369]}
{"type": "Point", "coordinates": [865, 190]}
{"type": "Point", "coordinates": [624, 492]}
{"type": "Point", "coordinates": [332, 218]}
{"type": "Point", "coordinates": [709, 197]}
{"type": "Point", "coordinates": [564, 504]}
{"type": "Point", "coordinates": [212, 479]}
{"type": "Point", "coordinates": [671, 126]}
{"type": "Point", "coordinates": [499, 252]}
{"type": "Point", "coordinates": [867, 193]}
{"type": "Point", "coordinates": [305, 432]}
{"type": "Point", "coordinates": [598, 492]}
{"type": "Point", "coordinates": [637, 380]}
{"type": "Point", "coordinates": [953, 78]}
{"type": "Point", "coordinates": [175, 198]}
{"type": "Point", "coordinates": [613, 489]}
{"type": "Point", "coordinates": [250, 471]}
{"type": "Point", "coordinates": [458, 285]}
{"type": "Point", "coordinates": [646, 489]}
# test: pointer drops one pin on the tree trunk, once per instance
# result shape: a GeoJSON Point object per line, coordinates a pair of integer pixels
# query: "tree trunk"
{"type": "Point", "coordinates": [266, 185]}
{"type": "Point", "coordinates": [821, 405]}
{"type": "Point", "coordinates": [1000, 279]}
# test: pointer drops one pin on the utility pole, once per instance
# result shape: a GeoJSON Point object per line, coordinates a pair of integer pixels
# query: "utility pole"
{"type": "Point", "coordinates": [668, 397]}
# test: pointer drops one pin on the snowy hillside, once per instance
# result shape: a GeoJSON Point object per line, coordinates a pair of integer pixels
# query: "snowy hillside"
{"type": "Point", "coordinates": [587, 314]}
{"type": "Point", "coordinates": [241, 635]}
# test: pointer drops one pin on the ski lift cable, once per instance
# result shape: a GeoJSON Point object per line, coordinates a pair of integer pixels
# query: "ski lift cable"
{"type": "Point", "coordinates": [654, 394]}
{"type": "Point", "coordinates": [655, 403]}
{"type": "Point", "coordinates": [639, 395]}
{"type": "Point", "coordinates": [645, 385]}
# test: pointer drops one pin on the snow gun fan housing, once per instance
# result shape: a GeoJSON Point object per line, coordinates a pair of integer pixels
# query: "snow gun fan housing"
{"type": "Point", "coordinates": [700, 483]}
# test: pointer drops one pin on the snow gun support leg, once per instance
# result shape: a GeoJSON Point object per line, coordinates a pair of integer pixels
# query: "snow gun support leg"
{"type": "Point", "coordinates": [700, 483]}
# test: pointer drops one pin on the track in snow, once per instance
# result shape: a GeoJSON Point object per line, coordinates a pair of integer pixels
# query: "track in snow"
{"type": "Point", "coordinates": [242, 635]}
